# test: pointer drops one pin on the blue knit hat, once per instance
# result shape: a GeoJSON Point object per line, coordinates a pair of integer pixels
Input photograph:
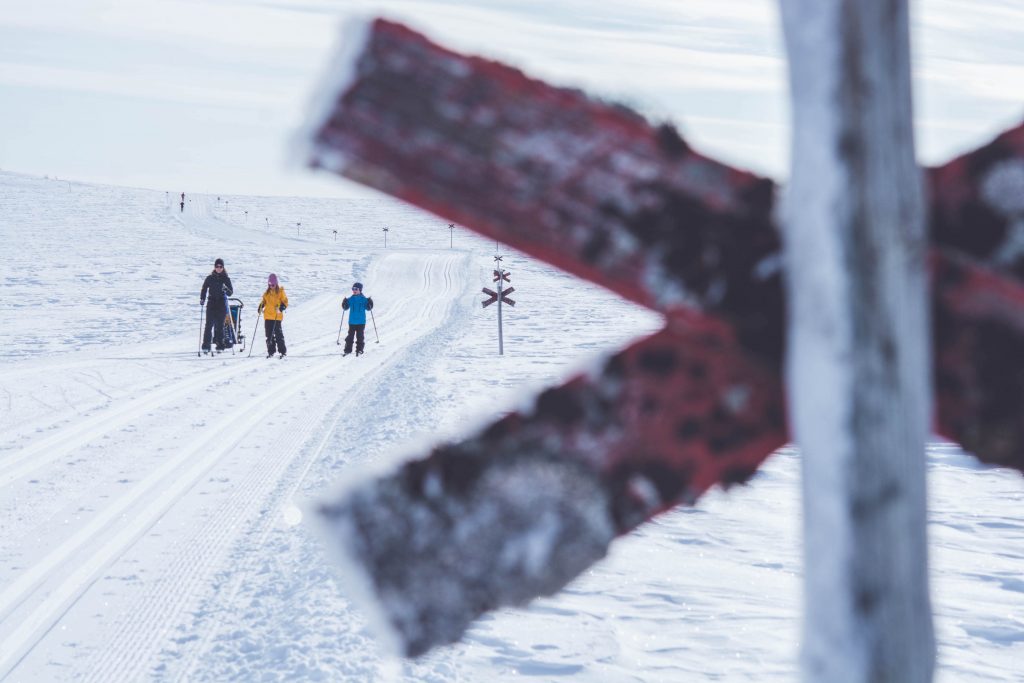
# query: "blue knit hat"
{"type": "Point", "coordinates": [358, 285]}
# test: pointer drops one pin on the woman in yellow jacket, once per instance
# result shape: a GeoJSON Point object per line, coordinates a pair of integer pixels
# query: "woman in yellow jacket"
{"type": "Point", "coordinates": [273, 305]}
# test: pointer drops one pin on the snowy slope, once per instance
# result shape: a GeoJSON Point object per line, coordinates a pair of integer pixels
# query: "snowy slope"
{"type": "Point", "coordinates": [151, 501]}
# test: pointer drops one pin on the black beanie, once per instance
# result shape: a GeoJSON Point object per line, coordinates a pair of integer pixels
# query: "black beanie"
{"type": "Point", "coordinates": [219, 262]}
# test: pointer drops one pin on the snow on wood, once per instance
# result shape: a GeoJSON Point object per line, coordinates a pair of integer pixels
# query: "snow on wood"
{"type": "Point", "coordinates": [521, 508]}
{"type": "Point", "coordinates": [644, 218]}
{"type": "Point", "coordinates": [587, 186]}
{"type": "Point", "coordinates": [858, 352]}
{"type": "Point", "coordinates": [978, 203]}
{"type": "Point", "coordinates": [594, 189]}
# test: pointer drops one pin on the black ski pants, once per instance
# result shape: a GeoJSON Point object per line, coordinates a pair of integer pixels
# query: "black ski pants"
{"type": "Point", "coordinates": [214, 322]}
{"type": "Point", "coordinates": [357, 332]}
{"type": "Point", "coordinates": [275, 337]}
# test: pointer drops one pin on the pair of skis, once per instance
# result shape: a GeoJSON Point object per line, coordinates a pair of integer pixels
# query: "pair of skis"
{"type": "Point", "coordinates": [229, 320]}
{"type": "Point", "coordinates": [341, 325]}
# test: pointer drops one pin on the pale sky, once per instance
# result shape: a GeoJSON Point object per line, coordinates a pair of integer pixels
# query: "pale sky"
{"type": "Point", "coordinates": [204, 95]}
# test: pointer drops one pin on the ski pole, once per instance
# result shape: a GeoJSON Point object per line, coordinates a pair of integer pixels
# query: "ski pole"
{"type": "Point", "coordinates": [201, 307]}
{"type": "Point", "coordinates": [374, 326]}
{"type": "Point", "coordinates": [338, 343]}
{"type": "Point", "coordinates": [253, 341]}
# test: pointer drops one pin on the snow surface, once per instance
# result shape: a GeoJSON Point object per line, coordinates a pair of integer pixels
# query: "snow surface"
{"type": "Point", "coordinates": [152, 502]}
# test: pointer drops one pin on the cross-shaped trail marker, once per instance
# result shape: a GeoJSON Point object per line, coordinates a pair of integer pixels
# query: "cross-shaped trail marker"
{"type": "Point", "coordinates": [501, 296]}
{"type": "Point", "coordinates": [522, 507]}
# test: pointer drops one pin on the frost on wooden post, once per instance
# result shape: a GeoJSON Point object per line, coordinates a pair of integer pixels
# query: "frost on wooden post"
{"type": "Point", "coordinates": [441, 545]}
{"type": "Point", "coordinates": [858, 357]}
{"type": "Point", "coordinates": [522, 507]}
{"type": "Point", "coordinates": [596, 190]}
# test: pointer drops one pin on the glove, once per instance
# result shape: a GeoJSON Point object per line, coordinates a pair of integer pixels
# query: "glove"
{"type": "Point", "coordinates": [281, 308]}
{"type": "Point", "coordinates": [344, 303]}
{"type": "Point", "coordinates": [259, 309]}
{"type": "Point", "coordinates": [369, 304]}
{"type": "Point", "coordinates": [202, 302]}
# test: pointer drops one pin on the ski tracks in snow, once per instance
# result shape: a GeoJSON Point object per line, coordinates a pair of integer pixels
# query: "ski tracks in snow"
{"type": "Point", "coordinates": [189, 524]}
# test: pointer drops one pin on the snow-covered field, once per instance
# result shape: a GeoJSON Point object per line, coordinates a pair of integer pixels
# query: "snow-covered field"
{"type": "Point", "coordinates": [151, 501]}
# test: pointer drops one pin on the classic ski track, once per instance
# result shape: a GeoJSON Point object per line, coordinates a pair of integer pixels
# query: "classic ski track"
{"type": "Point", "coordinates": [108, 418]}
{"type": "Point", "coordinates": [200, 221]}
{"type": "Point", "coordinates": [198, 561]}
{"type": "Point", "coordinates": [377, 400]}
{"type": "Point", "coordinates": [19, 590]}
{"type": "Point", "coordinates": [118, 415]}
{"type": "Point", "coordinates": [174, 479]}
{"type": "Point", "coordinates": [54, 420]}
{"type": "Point", "coordinates": [266, 525]}
{"type": "Point", "coordinates": [194, 559]}
{"type": "Point", "coordinates": [115, 416]}
{"type": "Point", "coordinates": [166, 483]}
{"type": "Point", "coordinates": [44, 451]}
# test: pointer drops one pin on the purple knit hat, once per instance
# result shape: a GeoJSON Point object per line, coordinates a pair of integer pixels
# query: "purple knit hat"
{"type": "Point", "coordinates": [272, 280]}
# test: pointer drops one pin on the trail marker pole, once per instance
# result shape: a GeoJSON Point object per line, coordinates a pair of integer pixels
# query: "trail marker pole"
{"type": "Point", "coordinates": [385, 238]}
{"type": "Point", "coordinates": [500, 275]}
{"type": "Point", "coordinates": [451, 235]}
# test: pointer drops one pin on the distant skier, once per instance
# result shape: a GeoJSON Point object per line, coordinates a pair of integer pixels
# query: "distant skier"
{"type": "Point", "coordinates": [357, 305]}
{"type": "Point", "coordinates": [272, 306]}
{"type": "Point", "coordinates": [183, 202]}
{"type": "Point", "coordinates": [218, 285]}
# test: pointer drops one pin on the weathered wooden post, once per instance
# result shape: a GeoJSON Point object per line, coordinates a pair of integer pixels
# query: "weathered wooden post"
{"type": "Point", "coordinates": [858, 357]}
{"type": "Point", "coordinates": [500, 296]}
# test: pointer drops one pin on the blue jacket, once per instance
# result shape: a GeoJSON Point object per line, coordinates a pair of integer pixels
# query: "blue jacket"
{"type": "Point", "coordinates": [357, 306]}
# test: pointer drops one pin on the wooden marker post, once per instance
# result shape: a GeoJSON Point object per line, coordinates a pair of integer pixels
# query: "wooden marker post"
{"type": "Point", "coordinates": [500, 275]}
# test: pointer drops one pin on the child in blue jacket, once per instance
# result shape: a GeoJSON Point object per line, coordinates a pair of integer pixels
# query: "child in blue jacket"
{"type": "Point", "coordinates": [357, 305]}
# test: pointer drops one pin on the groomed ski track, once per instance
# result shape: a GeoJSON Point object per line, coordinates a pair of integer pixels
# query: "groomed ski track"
{"type": "Point", "coordinates": [150, 500]}
{"type": "Point", "coordinates": [187, 517]}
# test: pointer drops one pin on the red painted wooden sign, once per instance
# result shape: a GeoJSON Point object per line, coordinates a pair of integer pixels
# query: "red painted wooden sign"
{"type": "Point", "coordinates": [493, 296]}
{"type": "Point", "coordinates": [518, 509]}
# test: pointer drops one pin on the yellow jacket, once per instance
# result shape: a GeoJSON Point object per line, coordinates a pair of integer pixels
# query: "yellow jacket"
{"type": "Point", "coordinates": [272, 301]}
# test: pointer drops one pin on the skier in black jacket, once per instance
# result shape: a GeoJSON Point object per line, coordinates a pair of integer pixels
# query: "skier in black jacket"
{"type": "Point", "coordinates": [218, 285]}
